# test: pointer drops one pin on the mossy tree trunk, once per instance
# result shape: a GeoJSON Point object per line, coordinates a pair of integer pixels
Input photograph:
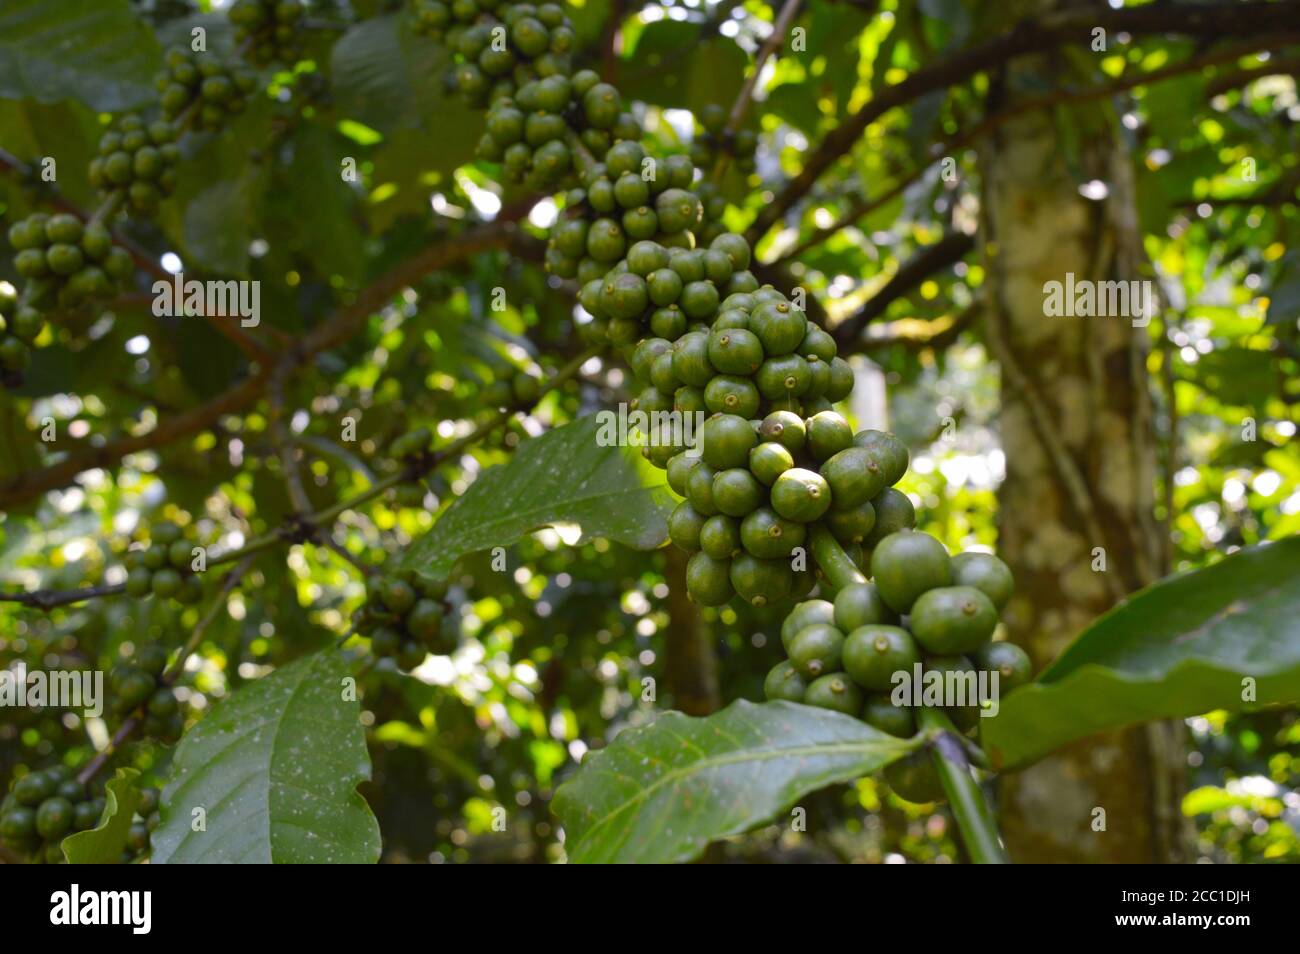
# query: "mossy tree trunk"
{"type": "Point", "coordinates": [1076, 428]}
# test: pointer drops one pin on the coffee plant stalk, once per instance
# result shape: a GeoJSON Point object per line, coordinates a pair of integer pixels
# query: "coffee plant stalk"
{"type": "Point", "coordinates": [966, 800]}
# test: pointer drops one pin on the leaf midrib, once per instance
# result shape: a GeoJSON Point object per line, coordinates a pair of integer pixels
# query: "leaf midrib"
{"type": "Point", "coordinates": [711, 762]}
{"type": "Point", "coordinates": [515, 515]}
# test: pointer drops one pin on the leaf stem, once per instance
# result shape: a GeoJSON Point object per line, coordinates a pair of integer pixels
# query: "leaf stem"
{"type": "Point", "coordinates": [978, 830]}
{"type": "Point", "coordinates": [839, 569]}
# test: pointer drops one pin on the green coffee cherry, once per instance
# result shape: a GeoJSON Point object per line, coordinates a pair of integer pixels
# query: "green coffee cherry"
{"type": "Point", "coordinates": [860, 605]}
{"type": "Point", "coordinates": [889, 453]}
{"type": "Point", "coordinates": [894, 512]}
{"type": "Point", "coordinates": [1009, 661]}
{"type": "Point", "coordinates": [914, 778]}
{"type": "Point", "coordinates": [805, 614]}
{"type": "Point", "coordinates": [761, 582]}
{"type": "Point", "coordinates": [136, 164]}
{"type": "Point", "coordinates": [880, 713]}
{"type": "Point", "coordinates": [267, 29]}
{"type": "Point", "coordinates": [835, 691]}
{"type": "Point", "coordinates": [874, 653]}
{"type": "Point", "coordinates": [708, 581]}
{"type": "Point", "coordinates": [816, 650]}
{"type": "Point", "coordinates": [986, 573]}
{"type": "Point", "coordinates": [784, 682]}
{"type": "Point", "coordinates": [953, 619]}
{"type": "Point", "coordinates": [769, 536]}
{"type": "Point", "coordinates": [801, 495]}
{"type": "Point", "coordinates": [906, 564]}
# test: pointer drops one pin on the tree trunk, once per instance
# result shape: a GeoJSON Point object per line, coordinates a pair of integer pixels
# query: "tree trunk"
{"type": "Point", "coordinates": [690, 664]}
{"type": "Point", "coordinates": [1080, 466]}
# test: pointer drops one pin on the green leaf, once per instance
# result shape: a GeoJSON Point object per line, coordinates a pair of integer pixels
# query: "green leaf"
{"type": "Point", "coordinates": [274, 769]}
{"type": "Point", "coordinates": [1178, 648]}
{"type": "Point", "coordinates": [661, 793]}
{"type": "Point", "coordinates": [371, 69]}
{"type": "Point", "coordinates": [1237, 375]}
{"type": "Point", "coordinates": [311, 210]}
{"type": "Point", "coordinates": [213, 213]}
{"type": "Point", "coordinates": [659, 72]}
{"type": "Point", "coordinates": [103, 844]}
{"type": "Point", "coordinates": [93, 51]}
{"type": "Point", "coordinates": [1284, 296]}
{"type": "Point", "coordinates": [564, 478]}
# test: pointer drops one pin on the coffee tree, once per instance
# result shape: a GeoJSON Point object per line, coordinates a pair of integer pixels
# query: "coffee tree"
{"type": "Point", "coordinates": [395, 382]}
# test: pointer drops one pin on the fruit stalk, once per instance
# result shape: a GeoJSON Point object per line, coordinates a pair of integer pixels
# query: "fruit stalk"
{"type": "Point", "coordinates": [839, 569]}
{"type": "Point", "coordinates": [969, 809]}
{"type": "Point", "coordinates": [737, 115]}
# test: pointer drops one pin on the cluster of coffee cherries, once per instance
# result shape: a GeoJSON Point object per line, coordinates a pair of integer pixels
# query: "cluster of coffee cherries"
{"type": "Point", "coordinates": [19, 327]}
{"type": "Point", "coordinates": [143, 823]}
{"type": "Point", "coordinates": [708, 142]}
{"type": "Point", "coordinates": [66, 261]}
{"type": "Point", "coordinates": [268, 29]}
{"type": "Point", "coordinates": [136, 163]}
{"type": "Point", "coordinates": [43, 808]}
{"type": "Point", "coordinates": [497, 47]}
{"type": "Point", "coordinates": [772, 455]}
{"type": "Point", "coordinates": [137, 688]}
{"type": "Point", "coordinates": [413, 450]}
{"type": "Point", "coordinates": [668, 290]}
{"type": "Point", "coordinates": [628, 198]}
{"type": "Point", "coordinates": [512, 387]}
{"type": "Point", "coordinates": [923, 612]}
{"type": "Point", "coordinates": [528, 133]}
{"type": "Point", "coordinates": [202, 82]}
{"type": "Point", "coordinates": [707, 147]}
{"type": "Point", "coordinates": [165, 566]}
{"type": "Point", "coordinates": [406, 617]}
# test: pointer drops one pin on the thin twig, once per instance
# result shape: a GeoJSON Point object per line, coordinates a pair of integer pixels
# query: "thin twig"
{"type": "Point", "coordinates": [738, 109]}
{"type": "Point", "coordinates": [169, 676]}
{"type": "Point", "coordinates": [49, 599]}
{"type": "Point", "coordinates": [1212, 20]}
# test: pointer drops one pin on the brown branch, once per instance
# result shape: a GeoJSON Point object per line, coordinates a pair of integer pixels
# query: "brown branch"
{"type": "Point", "coordinates": [1211, 20]}
{"type": "Point", "coordinates": [928, 260]}
{"type": "Point", "coordinates": [28, 484]}
{"type": "Point", "coordinates": [344, 323]}
{"type": "Point", "coordinates": [252, 349]}
{"type": "Point", "coordinates": [780, 27]}
{"type": "Point", "coordinates": [861, 206]}
{"type": "Point", "coordinates": [334, 331]}
{"type": "Point", "coordinates": [49, 599]}
{"type": "Point", "coordinates": [284, 447]}
{"type": "Point", "coordinates": [1278, 66]}
{"type": "Point", "coordinates": [937, 334]}
{"type": "Point", "coordinates": [610, 41]}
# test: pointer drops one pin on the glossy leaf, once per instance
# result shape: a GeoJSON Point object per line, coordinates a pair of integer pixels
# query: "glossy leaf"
{"type": "Point", "coordinates": [564, 478]}
{"type": "Point", "coordinates": [1191, 643]}
{"type": "Point", "coordinates": [661, 793]}
{"type": "Point", "coordinates": [103, 844]}
{"type": "Point", "coordinates": [272, 774]}
{"type": "Point", "coordinates": [93, 51]}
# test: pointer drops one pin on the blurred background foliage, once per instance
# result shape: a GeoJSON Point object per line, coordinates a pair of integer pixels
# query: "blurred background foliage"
{"type": "Point", "coordinates": [572, 644]}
